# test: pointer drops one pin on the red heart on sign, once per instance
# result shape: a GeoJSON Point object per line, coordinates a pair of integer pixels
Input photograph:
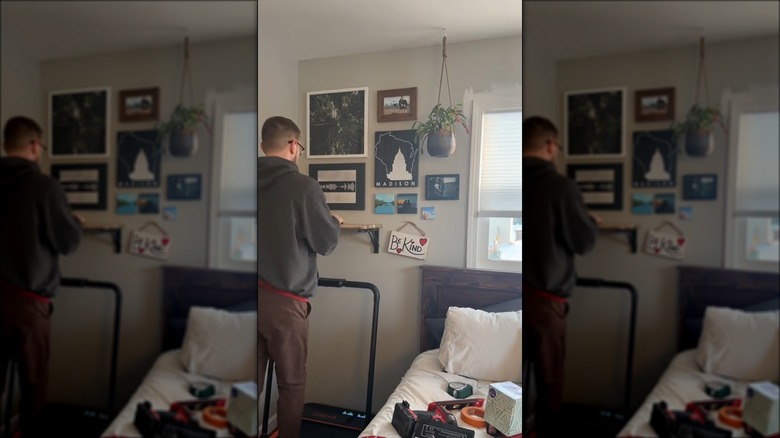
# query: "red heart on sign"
{"type": "Point", "coordinates": [141, 250]}
{"type": "Point", "coordinates": [165, 241]}
{"type": "Point", "coordinates": [423, 241]}
{"type": "Point", "coordinates": [657, 250]}
{"type": "Point", "coordinates": [398, 250]}
{"type": "Point", "coordinates": [680, 241]}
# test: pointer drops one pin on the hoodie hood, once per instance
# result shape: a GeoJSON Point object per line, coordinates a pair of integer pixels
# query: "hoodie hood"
{"type": "Point", "coordinates": [14, 169]}
{"type": "Point", "coordinates": [270, 169]}
{"type": "Point", "coordinates": [534, 167]}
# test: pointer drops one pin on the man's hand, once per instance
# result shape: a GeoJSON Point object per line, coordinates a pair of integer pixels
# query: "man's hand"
{"type": "Point", "coordinates": [339, 218]}
{"type": "Point", "coordinates": [80, 218]}
{"type": "Point", "coordinates": [596, 219]}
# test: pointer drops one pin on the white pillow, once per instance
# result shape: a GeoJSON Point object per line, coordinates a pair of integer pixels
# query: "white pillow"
{"type": "Point", "coordinates": [483, 345]}
{"type": "Point", "coordinates": [740, 345]}
{"type": "Point", "coordinates": [221, 344]}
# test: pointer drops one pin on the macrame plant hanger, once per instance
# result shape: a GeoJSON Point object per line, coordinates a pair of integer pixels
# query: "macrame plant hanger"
{"type": "Point", "coordinates": [186, 73]}
{"type": "Point", "coordinates": [702, 77]}
{"type": "Point", "coordinates": [444, 70]}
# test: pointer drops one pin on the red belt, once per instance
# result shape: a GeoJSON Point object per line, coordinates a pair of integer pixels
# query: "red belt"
{"type": "Point", "coordinates": [267, 286]}
{"type": "Point", "coordinates": [29, 294]}
{"type": "Point", "coordinates": [544, 294]}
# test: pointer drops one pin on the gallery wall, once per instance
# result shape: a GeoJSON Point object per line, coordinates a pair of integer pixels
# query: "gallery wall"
{"type": "Point", "coordinates": [341, 318]}
{"type": "Point", "coordinates": [83, 319]}
{"type": "Point", "coordinates": [599, 318]}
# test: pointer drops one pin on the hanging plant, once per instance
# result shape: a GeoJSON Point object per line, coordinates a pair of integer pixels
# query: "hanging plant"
{"type": "Point", "coordinates": [181, 129]}
{"type": "Point", "coordinates": [696, 129]}
{"type": "Point", "coordinates": [439, 130]}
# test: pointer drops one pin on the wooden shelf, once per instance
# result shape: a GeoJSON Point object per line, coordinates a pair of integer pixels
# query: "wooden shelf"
{"type": "Point", "coordinates": [115, 231]}
{"type": "Point", "coordinates": [371, 229]}
{"type": "Point", "coordinates": [629, 230]}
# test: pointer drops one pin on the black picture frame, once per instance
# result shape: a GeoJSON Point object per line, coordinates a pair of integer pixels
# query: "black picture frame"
{"type": "Point", "coordinates": [84, 184]}
{"type": "Point", "coordinates": [595, 123]}
{"type": "Point", "coordinates": [700, 187]}
{"type": "Point", "coordinates": [654, 161]}
{"type": "Point", "coordinates": [387, 145]}
{"type": "Point", "coordinates": [344, 184]}
{"type": "Point", "coordinates": [444, 187]}
{"type": "Point", "coordinates": [601, 184]}
{"type": "Point", "coordinates": [184, 187]}
{"type": "Point", "coordinates": [129, 147]}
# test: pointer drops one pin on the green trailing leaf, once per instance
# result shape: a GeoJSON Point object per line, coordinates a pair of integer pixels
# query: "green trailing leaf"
{"type": "Point", "coordinates": [183, 118]}
{"type": "Point", "coordinates": [440, 118]}
{"type": "Point", "coordinates": [698, 118]}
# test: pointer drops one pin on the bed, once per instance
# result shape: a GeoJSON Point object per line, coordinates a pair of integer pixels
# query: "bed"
{"type": "Point", "coordinates": [684, 379]}
{"type": "Point", "coordinates": [200, 306]}
{"type": "Point", "coordinates": [425, 380]}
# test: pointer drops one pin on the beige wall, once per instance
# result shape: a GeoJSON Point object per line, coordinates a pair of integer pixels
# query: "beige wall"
{"type": "Point", "coordinates": [82, 321]}
{"type": "Point", "coordinates": [20, 79]}
{"type": "Point", "coordinates": [599, 319]}
{"type": "Point", "coordinates": [341, 318]}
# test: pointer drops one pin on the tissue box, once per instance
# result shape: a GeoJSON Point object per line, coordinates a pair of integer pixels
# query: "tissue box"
{"type": "Point", "coordinates": [503, 408]}
{"type": "Point", "coordinates": [761, 406]}
{"type": "Point", "coordinates": [242, 407]}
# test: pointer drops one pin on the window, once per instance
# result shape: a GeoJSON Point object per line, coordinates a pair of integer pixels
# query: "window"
{"type": "Point", "coordinates": [752, 206]}
{"type": "Point", "coordinates": [495, 223]}
{"type": "Point", "coordinates": [233, 225]}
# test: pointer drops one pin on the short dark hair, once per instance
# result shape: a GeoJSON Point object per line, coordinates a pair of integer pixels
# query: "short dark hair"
{"type": "Point", "coordinates": [276, 128]}
{"type": "Point", "coordinates": [19, 130]}
{"type": "Point", "coordinates": [537, 128]}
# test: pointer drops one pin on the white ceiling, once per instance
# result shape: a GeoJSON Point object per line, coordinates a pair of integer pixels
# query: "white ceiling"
{"type": "Point", "coordinates": [324, 28]}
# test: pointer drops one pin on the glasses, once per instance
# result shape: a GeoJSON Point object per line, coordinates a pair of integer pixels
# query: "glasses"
{"type": "Point", "coordinates": [557, 145]}
{"type": "Point", "coordinates": [303, 148]}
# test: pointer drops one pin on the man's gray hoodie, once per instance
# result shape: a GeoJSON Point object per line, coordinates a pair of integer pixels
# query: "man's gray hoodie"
{"type": "Point", "coordinates": [294, 224]}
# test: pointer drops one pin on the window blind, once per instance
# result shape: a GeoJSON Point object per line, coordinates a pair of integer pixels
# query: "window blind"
{"type": "Point", "coordinates": [758, 188]}
{"type": "Point", "coordinates": [239, 176]}
{"type": "Point", "coordinates": [501, 174]}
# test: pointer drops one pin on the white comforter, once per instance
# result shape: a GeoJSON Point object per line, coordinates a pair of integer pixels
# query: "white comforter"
{"type": "Point", "coordinates": [681, 383]}
{"type": "Point", "coordinates": [423, 383]}
{"type": "Point", "coordinates": [165, 383]}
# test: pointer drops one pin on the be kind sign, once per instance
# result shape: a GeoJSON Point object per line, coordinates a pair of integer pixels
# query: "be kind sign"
{"type": "Point", "coordinates": [150, 245]}
{"type": "Point", "coordinates": [408, 245]}
{"type": "Point", "coordinates": [665, 245]}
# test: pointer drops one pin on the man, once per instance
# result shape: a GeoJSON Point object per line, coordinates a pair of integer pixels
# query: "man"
{"type": "Point", "coordinates": [558, 227]}
{"type": "Point", "coordinates": [36, 226]}
{"type": "Point", "coordinates": [294, 225]}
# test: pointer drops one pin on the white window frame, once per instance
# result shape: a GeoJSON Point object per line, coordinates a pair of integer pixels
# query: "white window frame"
{"type": "Point", "coordinates": [238, 100]}
{"type": "Point", "coordinates": [477, 231]}
{"type": "Point", "coordinates": [758, 100]}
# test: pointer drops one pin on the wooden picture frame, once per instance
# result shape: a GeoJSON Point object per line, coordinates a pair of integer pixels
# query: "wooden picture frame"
{"type": "Point", "coordinates": [601, 184]}
{"type": "Point", "coordinates": [344, 184]}
{"type": "Point", "coordinates": [337, 123]}
{"type": "Point", "coordinates": [396, 105]}
{"type": "Point", "coordinates": [595, 123]}
{"type": "Point", "coordinates": [79, 123]}
{"type": "Point", "coordinates": [655, 105]}
{"type": "Point", "coordinates": [85, 184]}
{"type": "Point", "coordinates": [139, 105]}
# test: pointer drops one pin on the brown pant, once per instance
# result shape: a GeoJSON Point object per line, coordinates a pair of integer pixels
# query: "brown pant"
{"type": "Point", "coordinates": [544, 339]}
{"type": "Point", "coordinates": [24, 338]}
{"type": "Point", "coordinates": [283, 336]}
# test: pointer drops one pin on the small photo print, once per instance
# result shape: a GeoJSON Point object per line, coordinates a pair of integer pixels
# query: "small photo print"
{"type": "Point", "coordinates": [126, 203]}
{"type": "Point", "coordinates": [406, 203]}
{"type": "Point", "coordinates": [170, 213]}
{"type": "Point", "coordinates": [664, 203]}
{"type": "Point", "coordinates": [442, 187]}
{"type": "Point", "coordinates": [384, 203]}
{"type": "Point", "coordinates": [701, 187]}
{"type": "Point", "coordinates": [149, 203]}
{"type": "Point", "coordinates": [686, 213]}
{"type": "Point", "coordinates": [642, 203]}
{"type": "Point", "coordinates": [428, 213]}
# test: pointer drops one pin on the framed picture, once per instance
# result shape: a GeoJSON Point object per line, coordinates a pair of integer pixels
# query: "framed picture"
{"type": "Point", "coordinates": [663, 203]}
{"type": "Point", "coordinates": [442, 187]}
{"type": "Point", "coordinates": [654, 162]}
{"type": "Point", "coordinates": [78, 123]}
{"type": "Point", "coordinates": [396, 105]}
{"type": "Point", "coordinates": [344, 184]}
{"type": "Point", "coordinates": [601, 185]}
{"type": "Point", "coordinates": [84, 184]}
{"type": "Point", "coordinates": [384, 203]}
{"type": "Point", "coordinates": [149, 203]}
{"type": "Point", "coordinates": [703, 187]}
{"type": "Point", "coordinates": [595, 123]}
{"type": "Point", "coordinates": [337, 123]}
{"type": "Point", "coordinates": [184, 187]}
{"type": "Point", "coordinates": [140, 105]}
{"type": "Point", "coordinates": [138, 156]}
{"type": "Point", "coordinates": [406, 203]}
{"type": "Point", "coordinates": [654, 105]}
{"type": "Point", "coordinates": [126, 203]}
{"type": "Point", "coordinates": [396, 159]}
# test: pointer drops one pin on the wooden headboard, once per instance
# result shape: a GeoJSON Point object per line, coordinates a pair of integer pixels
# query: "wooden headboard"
{"type": "Point", "coordinates": [699, 287]}
{"type": "Point", "coordinates": [184, 287]}
{"type": "Point", "coordinates": [443, 287]}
